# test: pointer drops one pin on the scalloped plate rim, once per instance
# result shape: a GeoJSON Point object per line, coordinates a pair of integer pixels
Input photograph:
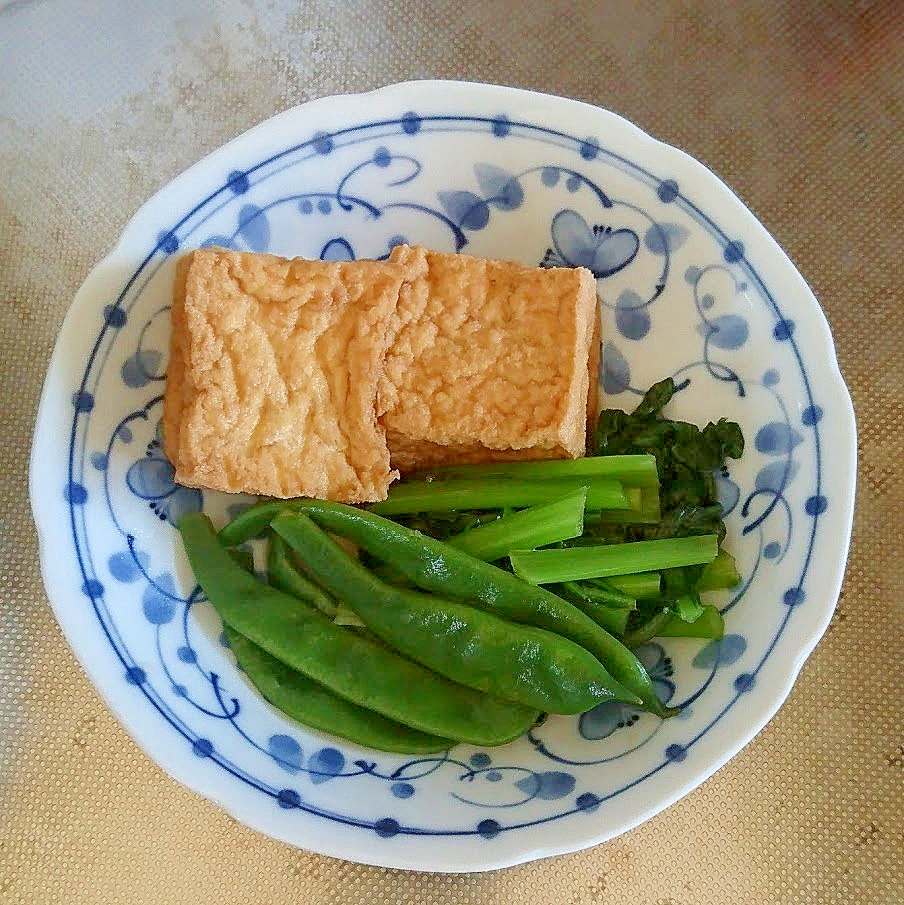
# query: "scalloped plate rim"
{"type": "Point", "coordinates": [825, 366]}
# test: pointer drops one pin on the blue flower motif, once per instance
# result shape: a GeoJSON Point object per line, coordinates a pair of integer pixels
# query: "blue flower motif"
{"type": "Point", "coordinates": [500, 188]}
{"type": "Point", "coordinates": [325, 764]}
{"type": "Point", "coordinates": [729, 331]}
{"type": "Point", "coordinates": [153, 479]}
{"type": "Point", "coordinates": [776, 476]}
{"type": "Point", "coordinates": [285, 751]}
{"type": "Point", "coordinates": [600, 249]}
{"type": "Point", "coordinates": [548, 785]}
{"type": "Point", "coordinates": [254, 227]}
{"type": "Point", "coordinates": [467, 210]}
{"type": "Point", "coordinates": [721, 652]}
{"type": "Point", "coordinates": [631, 315]}
{"type": "Point", "coordinates": [614, 370]}
{"type": "Point", "coordinates": [728, 492]}
{"type": "Point", "coordinates": [661, 238]}
{"type": "Point", "coordinates": [141, 368]}
{"type": "Point", "coordinates": [604, 719]}
{"type": "Point", "coordinates": [777, 439]}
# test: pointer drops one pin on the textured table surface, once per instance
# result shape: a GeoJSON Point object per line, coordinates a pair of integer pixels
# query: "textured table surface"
{"type": "Point", "coordinates": [797, 105]}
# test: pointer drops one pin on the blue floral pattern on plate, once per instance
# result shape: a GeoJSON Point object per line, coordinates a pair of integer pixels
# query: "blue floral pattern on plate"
{"type": "Point", "coordinates": [671, 282]}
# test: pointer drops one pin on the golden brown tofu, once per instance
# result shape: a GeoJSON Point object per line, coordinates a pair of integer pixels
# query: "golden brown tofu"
{"type": "Point", "coordinates": [273, 375]}
{"type": "Point", "coordinates": [489, 362]}
{"type": "Point", "coordinates": [174, 396]}
{"type": "Point", "coordinates": [593, 375]}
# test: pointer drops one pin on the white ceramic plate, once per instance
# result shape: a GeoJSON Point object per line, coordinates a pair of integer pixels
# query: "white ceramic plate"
{"type": "Point", "coordinates": [691, 285]}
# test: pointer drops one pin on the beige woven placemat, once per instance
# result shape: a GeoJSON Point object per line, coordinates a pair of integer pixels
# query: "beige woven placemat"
{"type": "Point", "coordinates": [798, 105]}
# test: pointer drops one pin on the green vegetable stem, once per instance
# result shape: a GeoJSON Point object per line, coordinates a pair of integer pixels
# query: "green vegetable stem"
{"type": "Point", "coordinates": [632, 471]}
{"type": "Point", "coordinates": [550, 566]}
{"type": "Point", "coordinates": [496, 493]}
{"type": "Point", "coordinates": [640, 585]}
{"type": "Point", "coordinates": [525, 528]}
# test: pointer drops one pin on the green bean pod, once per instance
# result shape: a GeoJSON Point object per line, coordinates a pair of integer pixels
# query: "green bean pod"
{"type": "Point", "coordinates": [245, 558]}
{"type": "Point", "coordinates": [649, 629]}
{"type": "Point", "coordinates": [251, 522]}
{"type": "Point", "coordinates": [436, 567]}
{"type": "Point", "coordinates": [284, 576]}
{"type": "Point", "coordinates": [613, 619]}
{"type": "Point", "coordinates": [356, 668]}
{"type": "Point", "coordinates": [316, 706]}
{"type": "Point", "coordinates": [519, 663]}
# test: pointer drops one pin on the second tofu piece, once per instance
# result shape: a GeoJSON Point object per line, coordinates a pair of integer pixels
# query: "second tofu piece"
{"type": "Point", "coordinates": [273, 375]}
{"type": "Point", "coordinates": [489, 361]}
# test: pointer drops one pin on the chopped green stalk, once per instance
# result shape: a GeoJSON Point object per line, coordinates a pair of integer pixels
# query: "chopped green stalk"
{"type": "Point", "coordinates": [613, 617]}
{"type": "Point", "coordinates": [495, 493]}
{"type": "Point", "coordinates": [345, 615]}
{"type": "Point", "coordinates": [651, 506]}
{"type": "Point", "coordinates": [641, 585]}
{"type": "Point", "coordinates": [525, 529]}
{"type": "Point", "coordinates": [574, 563]}
{"type": "Point", "coordinates": [648, 512]}
{"type": "Point", "coordinates": [600, 591]}
{"type": "Point", "coordinates": [649, 629]}
{"type": "Point", "coordinates": [635, 498]}
{"type": "Point", "coordinates": [721, 574]}
{"type": "Point", "coordinates": [634, 470]}
{"type": "Point", "coordinates": [709, 625]}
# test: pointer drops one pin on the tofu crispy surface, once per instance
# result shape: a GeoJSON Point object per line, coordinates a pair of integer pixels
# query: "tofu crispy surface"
{"type": "Point", "coordinates": [489, 361]}
{"type": "Point", "coordinates": [273, 375]}
{"type": "Point", "coordinates": [174, 397]}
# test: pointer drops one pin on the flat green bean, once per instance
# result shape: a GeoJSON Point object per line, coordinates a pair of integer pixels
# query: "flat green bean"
{"type": "Point", "coordinates": [359, 669]}
{"type": "Point", "coordinates": [284, 575]}
{"type": "Point", "coordinates": [519, 663]}
{"type": "Point", "coordinates": [313, 704]}
{"type": "Point", "coordinates": [436, 567]}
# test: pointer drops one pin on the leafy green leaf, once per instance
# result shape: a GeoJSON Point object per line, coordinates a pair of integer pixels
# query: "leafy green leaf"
{"type": "Point", "coordinates": [687, 461]}
{"type": "Point", "coordinates": [655, 399]}
{"type": "Point", "coordinates": [688, 607]}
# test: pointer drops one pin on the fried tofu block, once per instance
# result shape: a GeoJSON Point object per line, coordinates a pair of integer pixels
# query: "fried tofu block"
{"type": "Point", "coordinates": [490, 361]}
{"type": "Point", "coordinates": [174, 395]}
{"type": "Point", "coordinates": [273, 375]}
{"type": "Point", "coordinates": [593, 374]}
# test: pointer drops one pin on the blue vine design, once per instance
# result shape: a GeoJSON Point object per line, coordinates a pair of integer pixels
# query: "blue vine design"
{"type": "Point", "coordinates": [776, 440]}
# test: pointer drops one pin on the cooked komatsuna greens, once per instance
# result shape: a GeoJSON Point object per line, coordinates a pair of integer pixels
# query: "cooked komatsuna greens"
{"type": "Point", "coordinates": [480, 596]}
